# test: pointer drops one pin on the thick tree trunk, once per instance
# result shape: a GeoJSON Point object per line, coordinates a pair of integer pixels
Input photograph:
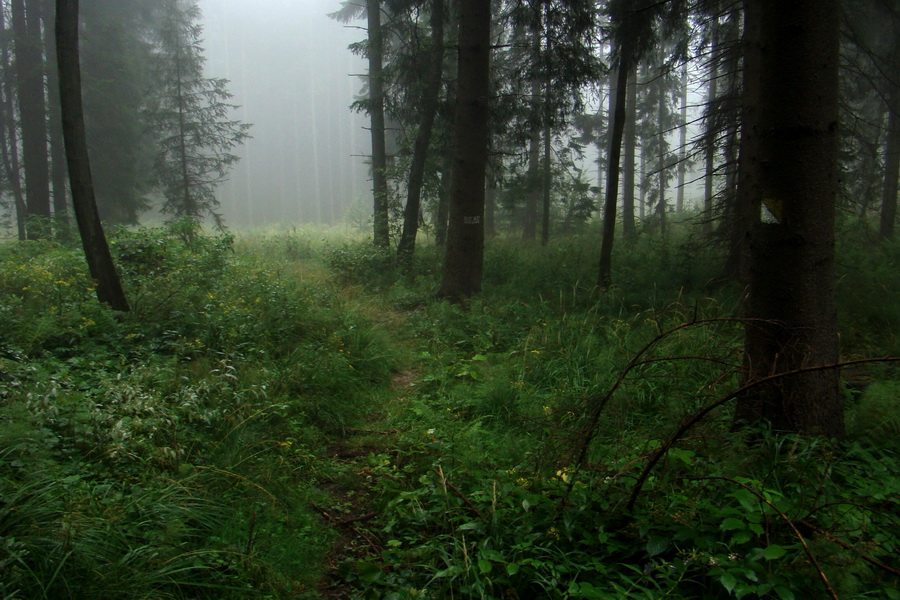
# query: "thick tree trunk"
{"type": "Point", "coordinates": [790, 301]}
{"type": "Point", "coordinates": [617, 129]}
{"type": "Point", "coordinates": [463, 265]}
{"type": "Point", "coordinates": [630, 134]}
{"type": "Point", "coordinates": [891, 168]}
{"type": "Point", "coordinates": [26, 21]}
{"type": "Point", "coordinates": [382, 236]}
{"type": "Point", "coordinates": [96, 250]}
{"type": "Point", "coordinates": [406, 246]}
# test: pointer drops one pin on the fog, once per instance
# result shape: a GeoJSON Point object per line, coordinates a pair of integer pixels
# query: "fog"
{"type": "Point", "coordinates": [290, 73]}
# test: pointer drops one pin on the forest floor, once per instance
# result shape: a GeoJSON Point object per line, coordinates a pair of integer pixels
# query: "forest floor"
{"type": "Point", "coordinates": [286, 416]}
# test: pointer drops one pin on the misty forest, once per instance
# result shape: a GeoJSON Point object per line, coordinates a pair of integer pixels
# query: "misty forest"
{"type": "Point", "coordinates": [449, 299]}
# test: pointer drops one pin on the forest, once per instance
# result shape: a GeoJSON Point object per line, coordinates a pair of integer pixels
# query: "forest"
{"type": "Point", "coordinates": [616, 317]}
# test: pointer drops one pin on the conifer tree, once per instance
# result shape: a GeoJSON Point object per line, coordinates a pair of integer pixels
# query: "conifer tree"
{"type": "Point", "coordinates": [191, 116]}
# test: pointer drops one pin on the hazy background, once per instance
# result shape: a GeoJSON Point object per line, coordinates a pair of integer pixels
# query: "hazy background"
{"type": "Point", "coordinates": [290, 70]}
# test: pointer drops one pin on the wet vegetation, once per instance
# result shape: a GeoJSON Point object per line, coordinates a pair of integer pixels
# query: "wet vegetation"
{"type": "Point", "coordinates": [284, 415]}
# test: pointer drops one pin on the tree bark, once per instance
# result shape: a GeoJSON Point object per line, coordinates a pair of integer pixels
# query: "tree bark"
{"type": "Point", "coordinates": [709, 141]}
{"type": "Point", "coordinates": [54, 117]}
{"type": "Point", "coordinates": [406, 246]}
{"type": "Point", "coordinates": [546, 184]}
{"type": "Point", "coordinates": [790, 305]}
{"type": "Point", "coordinates": [630, 141]}
{"type": "Point", "coordinates": [617, 129]}
{"type": "Point", "coordinates": [463, 265]}
{"type": "Point", "coordinates": [9, 138]}
{"type": "Point", "coordinates": [382, 236]}
{"type": "Point", "coordinates": [891, 168]}
{"type": "Point", "coordinates": [26, 23]}
{"type": "Point", "coordinates": [682, 142]}
{"type": "Point", "coordinates": [96, 249]}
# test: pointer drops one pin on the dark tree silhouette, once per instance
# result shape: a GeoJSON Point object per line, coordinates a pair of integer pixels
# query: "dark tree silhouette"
{"type": "Point", "coordinates": [791, 270]}
{"type": "Point", "coordinates": [96, 250]}
{"type": "Point", "coordinates": [29, 63]}
{"type": "Point", "coordinates": [429, 107]}
{"type": "Point", "coordinates": [463, 265]}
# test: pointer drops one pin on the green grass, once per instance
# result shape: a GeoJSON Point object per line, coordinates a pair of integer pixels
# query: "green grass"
{"type": "Point", "coordinates": [239, 432]}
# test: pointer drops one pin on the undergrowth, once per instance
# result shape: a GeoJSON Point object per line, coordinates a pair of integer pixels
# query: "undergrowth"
{"type": "Point", "coordinates": [235, 435]}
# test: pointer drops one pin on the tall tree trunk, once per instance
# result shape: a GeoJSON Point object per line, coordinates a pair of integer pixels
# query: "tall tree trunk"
{"type": "Point", "coordinates": [96, 250]}
{"type": "Point", "coordinates": [661, 203]}
{"type": "Point", "coordinates": [617, 129]}
{"type": "Point", "coordinates": [464, 260]}
{"type": "Point", "coordinates": [442, 213]}
{"type": "Point", "coordinates": [630, 134]}
{"type": "Point", "coordinates": [57, 146]}
{"type": "Point", "coordinates": [747, 201]}
{"type": "Point", "coordinates": [546, 184]}
{"type": "Point", "coordinates": [26, 21]}
{"type": "Point", "coordinates": [682, 142]}
{"type": "Point", "coordinates": [891, 168]}
{"type": "Point", "coordinates": [407, 244]}
{"type": "Point", "coordinates": [529, 224]}
{"type": "Point", "coordinates": [9, 135]}
{"type": "Point", "coordinates": [709, 141]}
{"type": "Point", "coordinates": [382, 236]}
{"type": "Point", "coordinates": [791, 285]}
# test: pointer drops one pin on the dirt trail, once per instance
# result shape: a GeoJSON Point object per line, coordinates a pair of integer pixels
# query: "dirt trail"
{"type": "Point", "coordinates": [354, 496]}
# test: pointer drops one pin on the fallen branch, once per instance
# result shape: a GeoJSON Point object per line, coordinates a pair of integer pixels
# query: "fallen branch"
{"type": "Point", "coordinates": [456, 491]}
{"type": "Point", "coordinates": [700, 414]}
{"type": "Point", "coordinates": [847, 546]}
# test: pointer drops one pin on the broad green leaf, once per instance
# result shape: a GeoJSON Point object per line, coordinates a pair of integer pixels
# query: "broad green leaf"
{"type": "Point", "coordinates": [657, 545]}
{"type": "Point", "coordinates": [512, 568]}
{"type": "Point", "coordinates": [731, 524]}
{"type": "Point", "coordinates": [728, 581]}
{"type": "Point", "coordinates": [784, 593]}
{"type": "Point", "coordinates": [774, 551]}
{"type": "Point", "coordinates": [485, 566]}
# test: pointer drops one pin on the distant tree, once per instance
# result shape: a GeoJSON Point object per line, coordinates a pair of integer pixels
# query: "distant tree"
{"type": "Point", "coordinates": [463, 264]}
{"type": "Point", "coordinates": [118, 71]}
{"type": "Point", "coordinates": [428, 105]}
{"type": "Point", "coordinates": [191, 117]}
{"type": "Point", "coordinates": [54, 120]}
{"type": "Point", "coordinates": [375, 53]}
{"type": "Point", "coordinates": [790, 305]}
{"type": "Point", "coordinates": [29, 65]}
{"type": "Point", "coordinates": [96, 250]}
{"type": "Point", "coordinates": [9, 138]}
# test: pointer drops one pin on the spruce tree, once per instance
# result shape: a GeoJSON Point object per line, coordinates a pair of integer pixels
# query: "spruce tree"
{"type": "Point", "coordinates": [191, 116]}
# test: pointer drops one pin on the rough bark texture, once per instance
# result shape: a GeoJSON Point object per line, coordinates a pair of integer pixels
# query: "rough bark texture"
{"type": "Point", "coordinates": [26, 21]}
{"type": "Point", "coordinates": [382, 235]}
{"type": "Point", "coordinates": [406, 246]}
{"type": "Point", "coordinates": [96, 250]}
{"type": "Point", "coordinates": [463, 265]}
{"type": "Point", "coordinates": [791, 277]}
